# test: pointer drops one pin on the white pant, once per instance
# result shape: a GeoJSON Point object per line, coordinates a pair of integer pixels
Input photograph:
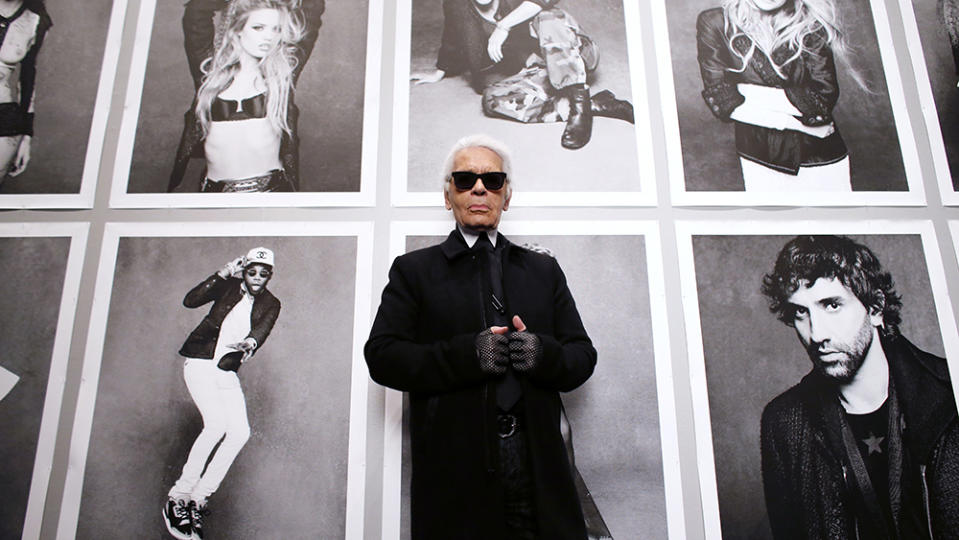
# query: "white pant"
{"type": "Point", "coordinates": [833, 177]}
{"type": "Point", "coordinates": [219, 397]}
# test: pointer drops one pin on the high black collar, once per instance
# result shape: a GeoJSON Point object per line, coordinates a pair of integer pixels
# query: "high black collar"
{"type": "Point", "coordinates": [455, 246]}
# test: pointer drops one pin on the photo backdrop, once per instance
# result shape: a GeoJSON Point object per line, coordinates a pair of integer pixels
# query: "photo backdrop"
{"type": "Point", "coordinates": [614, 281]}
{"type": "Point", "coordinates": [615, 161]}
{"type": "Point", "coordinates": [588, 183]}
{"type": "Point", "coordinates": [330, 94]}
{"type": "Point", "coordinates": [298, 390]}
{"type": "Point", "coordinates": [75, 73]}
{"type": "Point", "coordinates": [872, 120]}
{"type": "Point", "coordinates": [36, 268]}
{"type": "Point", "coordinates": [749, 357]}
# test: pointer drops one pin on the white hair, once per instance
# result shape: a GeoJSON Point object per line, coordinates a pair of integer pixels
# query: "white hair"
{"type": "Point", "coordinates": [479, 141]}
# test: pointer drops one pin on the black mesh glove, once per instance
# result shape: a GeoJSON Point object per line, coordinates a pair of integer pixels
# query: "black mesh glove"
{"type": "Point", "coordinates": [492, 350]}
{"type": "Point", "coordinates": [525, 350]}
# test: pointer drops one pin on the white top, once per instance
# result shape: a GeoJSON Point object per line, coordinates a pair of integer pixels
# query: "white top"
{"type": "Point", "coordinates": [236, 325]}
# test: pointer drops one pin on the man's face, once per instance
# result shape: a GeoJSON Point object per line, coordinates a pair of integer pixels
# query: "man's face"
{"type": "Point", "coordinates": [835, 328]}
{"type": "Point", "coordinates": [256, 276]}
{"type": "Point", "coordinates": [477, 209]}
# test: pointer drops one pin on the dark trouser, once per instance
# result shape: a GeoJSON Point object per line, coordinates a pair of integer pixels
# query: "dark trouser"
{"type": "Point", "coordinates": [517, 478]}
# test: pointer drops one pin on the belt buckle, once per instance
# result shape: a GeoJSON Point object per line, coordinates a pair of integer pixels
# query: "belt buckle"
{"type": "Point", "coordinates": [505, 421]}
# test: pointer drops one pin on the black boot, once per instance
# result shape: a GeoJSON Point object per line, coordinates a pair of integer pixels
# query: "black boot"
{"type": "Point", "coordinates": [606, 104]}
{"type": "Point", "coordinates": [579, 125]}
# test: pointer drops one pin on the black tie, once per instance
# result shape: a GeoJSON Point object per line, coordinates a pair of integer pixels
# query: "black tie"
{"type": "Point", "coordinates": [508, 389]}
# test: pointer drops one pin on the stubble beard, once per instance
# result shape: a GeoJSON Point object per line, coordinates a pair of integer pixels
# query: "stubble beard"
{"type": "Point", "coordinates": [852, 355]}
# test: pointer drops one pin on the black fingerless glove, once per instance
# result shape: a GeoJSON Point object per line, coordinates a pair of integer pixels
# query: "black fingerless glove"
{"type": "Point", "coordinates": [492, 350]}
{"type": "Point", "coordinates": [525, 350]}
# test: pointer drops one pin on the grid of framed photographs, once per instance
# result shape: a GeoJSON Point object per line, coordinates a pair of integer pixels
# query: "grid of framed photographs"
{"type": "Point", "coordinates": [705, 158]}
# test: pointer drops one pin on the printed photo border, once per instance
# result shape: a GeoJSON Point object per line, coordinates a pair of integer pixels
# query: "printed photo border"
{"type": "Point", "coordinates": [915, 195]}
{"type": "Point", "coordinates": [393, 407]}
{"type": "Point", "coordinates": [645, 196]}
{"type": "Point", "coordinates": [95, 139]}
{"type": "Point", "coordinates": [119, 198]}
{"type": "Point", "coordinates": [43, 461]}
{"type": "Point", "coordinates": [685, 230]}
{"type": "Point", "coordinates": [80, 438]}
{"type": "Point", "coordinates": [928, 104]}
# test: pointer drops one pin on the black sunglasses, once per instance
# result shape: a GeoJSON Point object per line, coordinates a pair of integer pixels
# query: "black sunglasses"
{"type": "Point", "coordinates": [264, 273]}
{"type": "Point", "coordinates": [465, 180]}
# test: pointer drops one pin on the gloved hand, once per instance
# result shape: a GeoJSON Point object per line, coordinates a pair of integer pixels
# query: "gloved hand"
{"type": "Point", "coordinates": [525, 350]}
{"type": "Point", "coordinates": [492, 350]}
{"type": "Point", "coordinates": [231, 268]}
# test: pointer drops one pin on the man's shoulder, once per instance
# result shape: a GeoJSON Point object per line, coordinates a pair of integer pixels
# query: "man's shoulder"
{"type": "Point", "coordinates": [794, 402]}
{"type": "Point", "coordinates": [900, 351]}
{"type": "Point", "coordinates": [534, 254]}
{"type": "Point", "coordinates": [420, 256]}
{"type": "Point", "coordinates": [268, 298]}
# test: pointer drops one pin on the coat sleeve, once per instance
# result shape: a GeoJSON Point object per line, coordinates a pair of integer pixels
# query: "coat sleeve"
{"type": "Point", "coordinates": [262, 327]}
{"type": "Point", "coordinates": [817, 90]}
{"type": "Point", "coordinates": [199, 33]}
{"type": "Point", "coordinates": [312, 13]}
{"type": "Point", "coordinates": [781, 504]}
{"type": "Point", "coordinates": [397, 358]}
{"type": "Point", "coordinates": [568, 354]}
{"type": "Point", "coordinates": [721, 96]}
{"type": "Point", "coordinates": [207, 291]}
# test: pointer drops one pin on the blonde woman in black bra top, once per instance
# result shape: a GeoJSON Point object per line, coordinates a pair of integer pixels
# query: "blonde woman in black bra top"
{"type": "Point", "coordinates": [243, 121]}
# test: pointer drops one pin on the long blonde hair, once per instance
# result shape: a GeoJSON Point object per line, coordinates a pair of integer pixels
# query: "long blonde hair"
{"type": "Point", "coordinates": [790, 25]}
{"type": "Point", "coordinates": [276, 67]}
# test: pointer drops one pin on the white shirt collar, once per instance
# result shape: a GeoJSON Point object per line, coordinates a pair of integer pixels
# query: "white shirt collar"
{"type": "Point", "coordinates": [471, 237]}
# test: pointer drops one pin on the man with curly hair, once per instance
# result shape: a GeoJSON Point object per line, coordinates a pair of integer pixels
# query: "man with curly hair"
{"type": "Point", "coordinates": [867, 444]}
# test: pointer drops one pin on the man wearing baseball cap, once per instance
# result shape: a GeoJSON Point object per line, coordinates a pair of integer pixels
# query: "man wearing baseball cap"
{"type": "Point", "coordinates": [240, 320]}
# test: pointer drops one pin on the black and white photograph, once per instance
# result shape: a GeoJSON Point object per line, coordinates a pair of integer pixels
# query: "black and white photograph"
{"type": "Point", "coordinates": [251, 103]}
{"type": "Point", "coordinates": [41, 265]}
{"type": "Point", "coordinates": [822, 395]}
{"type": "Point", "coordinates": [619, 424]}
{"type": "Point", "coordinates": [221, 396]}
{"type": "Point", "coordinates": [562, 82]}
{"type": "Point", "coordinates": [58, 62]}
{"type": "Point", "coordinates": [784, 102]}
{"type": "Point", "coordinates": [932, 34]}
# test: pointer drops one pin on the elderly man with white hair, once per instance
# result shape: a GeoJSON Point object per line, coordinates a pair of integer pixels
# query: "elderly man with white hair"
{"type": "Point", "coordinates": [483, 334]}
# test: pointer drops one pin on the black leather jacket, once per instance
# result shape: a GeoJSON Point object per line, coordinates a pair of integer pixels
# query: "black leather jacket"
{"type": "Point", "coordinates": [225, 293]}
{"type": "Point", "coordinates": [810, 85]}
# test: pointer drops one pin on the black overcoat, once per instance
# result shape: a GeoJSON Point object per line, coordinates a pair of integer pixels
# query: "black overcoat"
{"type": "Point", "coordinates": [422, 342]}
